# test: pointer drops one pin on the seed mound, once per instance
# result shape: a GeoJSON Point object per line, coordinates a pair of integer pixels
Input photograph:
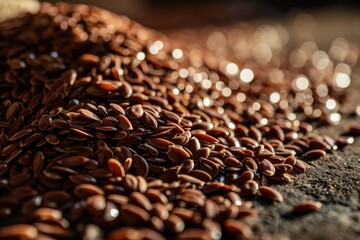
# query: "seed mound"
{"type": "Point", "coordinates": [109, 131]}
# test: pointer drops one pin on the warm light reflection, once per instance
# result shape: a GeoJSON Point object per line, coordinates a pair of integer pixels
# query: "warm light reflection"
{"type": "Point", "coordinates": [320, 60]}
{"type": "Point", "coordinates": [358, 110]}
{"type": "Point", "coordinates": [140, 56]}
{"type": "Point", "coordinates": [335, 118]}
{"type": "Point", "coordinates": [159, 44]}
{"type": "Point", "coordinates": [301, 83]}
{"type": "Point", "coordinates": [177, 53]}
{"type": "Point", "coordinates": [206, 84]}
{"type": "Point", "coordinates": [331, 104]}
{"type": "Point", "coordinates": [274, 97]}
{"type": "Point", "coordinates": [246, 75]}
{"type": "Point", "coordinates": [226, 92]}
{"type": "Point", "coordinates": [241, 97]}
{"type": "Point", "coordinates": [207, 102]}
{"type": "Point", "coordinates": [153, 49]}
{"type": "Point", "coordinates": [183, 73]}
{"type": "Point", "coordinates": [197, 77]}
{"type": "Point", "coordinates": [232, 69]}
{"type": "Point", "coordinates": [342, 80]}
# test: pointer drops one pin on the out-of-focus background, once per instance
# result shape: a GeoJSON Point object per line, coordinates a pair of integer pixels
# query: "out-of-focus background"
{"type": "Point", "coordinates": [174, 13]}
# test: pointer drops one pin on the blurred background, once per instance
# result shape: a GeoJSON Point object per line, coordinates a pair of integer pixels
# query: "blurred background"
{"type": "Point", "coordinates": [163, 14]}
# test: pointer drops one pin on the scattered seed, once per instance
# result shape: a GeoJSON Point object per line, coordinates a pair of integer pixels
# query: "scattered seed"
{"type": "Point", "coordinates": [271, 194]}
{"type": "Point", "coordinates": [306, 207]}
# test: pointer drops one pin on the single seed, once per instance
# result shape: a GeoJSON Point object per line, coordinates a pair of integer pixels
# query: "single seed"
{"type": "Point", "coordinates": [271, 194]}
{"type": "Point", "coordinates": [306, 207]}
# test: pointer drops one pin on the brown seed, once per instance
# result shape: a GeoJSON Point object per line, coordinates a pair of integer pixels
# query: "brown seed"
{"type": "Point", "coordinates": [201, 175]}
{"type": "Point", "coordinates": [44, 122]}
{"type": "Point", "coordinates": [249, 142]}
{"type": "Point", "coordinates": [250, 187]}
{"type": "Point", "coordinates": [177, 154]}
{"type": "Point", "coordinates": [159, 143]}
{"type": "Point", "coordinates": [267, 168]}
{"type": "Point", "coordinates": [52, 230]}
{"type": "Point", "coordinates": [314, 154]}
{"type": "Point", "coordinates": [87, 190]}
{"type": "Point", "coordinates": [170, 116]}
{"type": "Point", "coordinates": [38, 163]}
{"type": "Point", "coordinates": [20, 134]}
{"type": "Point", "coordinates": [124, 123]}
{"type": "Point", "coordinates": [319, 144]}
{"type": "Point", "coordinates": [174, 224]}
{"type": "Point", "coordinates": [343, 141]}
{"type": "Point", "coordinates": [80, 133]}
{"type": "Point", "coordinates": [59, 123]}
{"type": "Point", "coordinates": [12, 111]}
{"type": "Point", "coordinates": [206, 138]}
{"type": "Point", "coordinates": [96, 203]}
{"type": "Point", "coordinates": [202, 152]}
{"type": "Point", "coordinates": [109, 85]}
{"type": "Point", "coordinates": [210, 209]}
{"type": "Point", "coordinates": [90, 58]}
{"type": "Point", "coordinates": [88, 114]}
{"type": "Point", "coordinates": [135, 111]}
{"type": "Point", "coordinates": [126, 90]}
{"type": "Point", "coordinates": [271, 194]}
{"type": "Point", "coordinates": [124, 233]}
{"type": "Point", "coordinates": [193, 233]}
{"type": "Point", "coordinates": [117, 108]}
{"type": "Point", "coordinates": [306, 207]}
{"type": "Point", "coordinates": [82, 178]}
{"type": "Point", "coordinates": [130, 182]}
{"type": "Point", "coordinates": [55, 111]}
{"type": "Point", "coordinates": [19, 231]}
{"type": "Point", "coordinates": [73, 161]}
{"type": "Point", "coordinates": [52, 139]}
{"type": "Point", "coordinates": [233, 162]}
{"type": "Point", "coordinates": [150, 121]}
{"type": "Point", "coordinates": [283, 168]}
{"type": "Point", "coordinates": [134, 215]}
{"type": "Point", "coordinates": [237, 228]}
{"type": "Point", "coordinates": [354, 129]}
{"type": "Point", "coordinates": [47, 214]}
{"type": "Point", "coordinates": [140, 200]}
{"type": "Point", "coordinates": [255, 133]}
{"type": "Point", "coordinates": [188, 178]}
{"type": "Point", "coordinates": [141, 167]}
{"type": "Point", "coordinates": [107, 128]}
{"type": "Point", "coordinates": [116, 168]}
{"type": "Point", "coordinates": [291, 160]}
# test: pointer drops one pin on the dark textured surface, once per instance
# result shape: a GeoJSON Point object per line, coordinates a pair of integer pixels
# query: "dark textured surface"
{"type": "Point", "coordinates": [334, 181]}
